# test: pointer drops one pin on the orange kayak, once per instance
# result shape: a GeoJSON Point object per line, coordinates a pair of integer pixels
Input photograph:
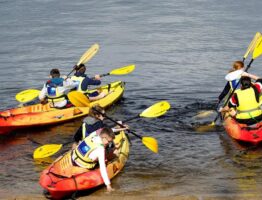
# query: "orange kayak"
{"type": "Point", "coordinates": [241, 132]}
{"type": "Point", "coordinates": [62, 179]}
{"type": "Point", "coordinates": [40, 115]}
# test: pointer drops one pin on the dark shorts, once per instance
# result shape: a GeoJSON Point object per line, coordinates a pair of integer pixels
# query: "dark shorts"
{"type": "Point", "coordinates": [93, 94]}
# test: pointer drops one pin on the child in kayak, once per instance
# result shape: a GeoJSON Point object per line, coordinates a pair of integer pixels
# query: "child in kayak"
{"type": "Point", "coordinates": [91, 151]}
{"type": "Point", "coordinates": [232, 79]}
{"type": "Point", "coordinates": [55, 90]}
{"type": "Point", "coordinates": [83, 82]}
{"type": "Point", "coordinates": [94, 123]}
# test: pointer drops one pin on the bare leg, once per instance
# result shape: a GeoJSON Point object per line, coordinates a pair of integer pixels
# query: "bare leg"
{"type": "Point", "coordinates": [100, 96]}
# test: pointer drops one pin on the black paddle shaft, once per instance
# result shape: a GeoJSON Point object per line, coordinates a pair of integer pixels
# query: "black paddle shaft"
{"type": "Point", "coordinates": [121, 125]}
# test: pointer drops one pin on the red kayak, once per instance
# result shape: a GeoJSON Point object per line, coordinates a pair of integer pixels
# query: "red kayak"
{"type": "Point", "coordinates": [242, 132]}
{"type": "Point", "coordinates": [62, 179]}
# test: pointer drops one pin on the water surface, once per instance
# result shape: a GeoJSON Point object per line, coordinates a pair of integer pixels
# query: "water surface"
{"type": "Point", "coordinates": [182, 50]}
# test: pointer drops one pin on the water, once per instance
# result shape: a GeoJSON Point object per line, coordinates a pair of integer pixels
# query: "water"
{"type": "Point", "coordinates": [182, 50]}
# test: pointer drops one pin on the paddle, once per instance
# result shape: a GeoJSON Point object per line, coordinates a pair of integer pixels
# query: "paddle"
{"type": "Point", "coordinates": [78, 99]}
{"type": "Point", "coordinates": [250, 48]}
{"type": "Point", "coordinates": [252, 45]}
{"type": "Point", "coordinates": [47, 150]}
{"type": "Point", "coordinates": [149, 142]}
{"type": "Point", "coordinates": [86, 57]}
{"type": "Point", "coordinates": [27, 95]}
{"type": "Point", "coordinates": [155, 110]}
{"type": "Point", "coordinates": [256, 53]}
{"type": "Point", "coordinates": [88, 54]}
{"type": "Point", "coordinates": [30, 94]}
{"type": "Point", "coordinates": [120, 71]}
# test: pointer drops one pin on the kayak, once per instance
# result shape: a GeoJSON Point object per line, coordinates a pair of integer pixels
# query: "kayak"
{"type": "Point", "coordinates": [242, 132]}
{"type": "Point", "coordinates": [62, 179]}
{"type": "Point", "coordinates": [40, 115]}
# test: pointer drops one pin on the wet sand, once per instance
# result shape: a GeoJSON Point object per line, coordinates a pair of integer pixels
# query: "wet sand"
{"type": "Point", "coordinates": [112, 196]}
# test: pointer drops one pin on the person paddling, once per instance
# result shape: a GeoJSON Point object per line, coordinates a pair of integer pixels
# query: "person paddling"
{"type": "Point", "coordinates": [55, 90]}
{"type": "Point", "coordinates": [84, 82]}
{"type": "Point", "coordinates": [232, 79]}
{"type": "Point", "coordinates": [246, 101]}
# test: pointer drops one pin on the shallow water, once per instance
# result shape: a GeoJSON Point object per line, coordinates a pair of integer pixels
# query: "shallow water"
{"type": "Point", "coordinates": [182, 50]}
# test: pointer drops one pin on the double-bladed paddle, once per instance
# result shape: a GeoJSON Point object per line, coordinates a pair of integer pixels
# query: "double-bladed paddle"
{"type": "Point", "coordinates": [30, 94]}
{"type": "Point", "coordinates": [250, 49]}
{"type": "Point", "coordinates": [79, 99]}
{"type": "Point", "coordinates": [256, 53]}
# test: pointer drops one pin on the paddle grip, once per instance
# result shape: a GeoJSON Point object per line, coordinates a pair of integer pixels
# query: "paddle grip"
{"type": "Point", "coordinates": [102, 75]}
{"type": "Point", "coordinates": [69, 73]}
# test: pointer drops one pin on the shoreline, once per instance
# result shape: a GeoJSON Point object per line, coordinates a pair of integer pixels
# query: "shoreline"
{"type": "Point", "coordinates": [139, 197]}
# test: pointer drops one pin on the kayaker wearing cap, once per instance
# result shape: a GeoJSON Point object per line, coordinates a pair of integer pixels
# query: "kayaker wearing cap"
{"type": "Point", "coordinates": [55, 90]}
{"type": "Point", "coordinates": [91, 151]}
{"type": "Point", "coordinates": [246, 100]}
{"type": "Point", "coordinates": [232, 78]}
{"type": "Point", "coordinates": [84, 82]}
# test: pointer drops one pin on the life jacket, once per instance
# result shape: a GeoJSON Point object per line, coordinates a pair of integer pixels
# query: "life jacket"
{"type": "Point", "coordinates": [80, 155]}
{"type": "Point", "coordinates": [53, 93]}
{"type": "Point", "coordinates": [233, 78]}
{"type": "Point", "coordinates": [233, 84]}
{"type": "Point", "coordinates": [89, 120]}
{"type": "Point", "coordinates": [248, 104]}
{"type": "Point", "coordinates": [79, 80]}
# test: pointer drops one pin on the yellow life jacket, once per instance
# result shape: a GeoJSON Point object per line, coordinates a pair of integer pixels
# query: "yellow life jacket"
{"type": "Point", "coordinates": [248, 107]}
{"type": "Point", "coordinates": [79, 80]}
{"type": "Point", "coordinates": [53, 94]}
{"type": "Point", "coordinates": [80, 155]}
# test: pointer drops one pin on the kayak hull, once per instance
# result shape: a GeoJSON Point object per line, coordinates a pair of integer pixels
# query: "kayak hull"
{"type": "Point", "coordinates": [62, 179]}
{"type": "Point", "coordinates": [41, 115]}
{"type": "Point", "coordinates": [242, 132]}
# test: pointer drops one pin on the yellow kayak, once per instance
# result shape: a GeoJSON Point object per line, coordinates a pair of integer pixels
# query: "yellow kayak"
{"type": "Point", "coordinates": [40, 115]}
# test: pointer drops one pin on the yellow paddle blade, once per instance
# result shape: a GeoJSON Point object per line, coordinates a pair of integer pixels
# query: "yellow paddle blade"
{"type": "Point", "coordinates": [258, 49]}
{"type": "Point", "coordinates": [123, 70]}
{"type": "Point", "coordinates": [78, 99]}
{"type": "Point", "coordinates": [150, 143]}
{"type": "Point", "coordinates": [156, 110]}
{"type": "Point", "coordinates": [46, 150]}
{"type": "Point", "coordinates": [27, 95]}
{"type": "Point", "coordinates": [252, 44]}
{"type": "Point", "coordinates": [88, 54]}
